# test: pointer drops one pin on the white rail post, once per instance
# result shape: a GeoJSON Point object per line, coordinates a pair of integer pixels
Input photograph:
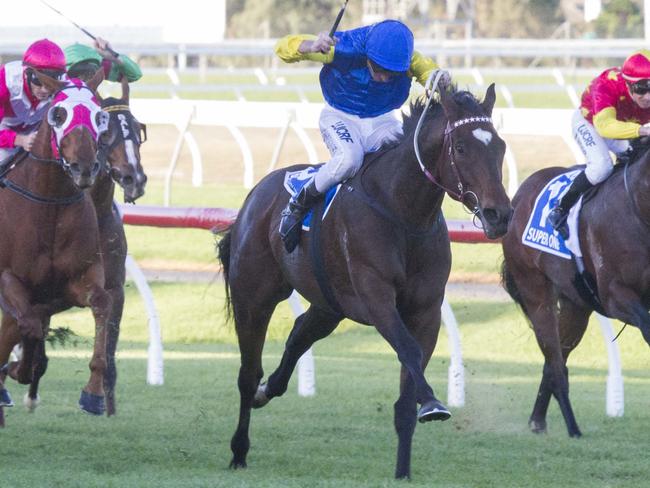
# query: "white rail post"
{"type": "Point", "coordinates": [306, 368]}
{"type": "Point", "coordinates": [291, 116]}
{"type": "Point", "coordinates": [615, 401]}
{"type": "Point", "coordinates": [155, 354]}
{"type": "Point", "coordinates": [174, 161]}
{"type": "Point", "coordinates": [246, 154]}
{"type": "Point", "coordinates": [456, 373]}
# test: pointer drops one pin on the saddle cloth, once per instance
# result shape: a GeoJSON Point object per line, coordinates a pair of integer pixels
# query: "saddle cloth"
{"type": "Point", "coordinates": [538, 232]}
{"type": "Point", "coordinates": [295, 180]}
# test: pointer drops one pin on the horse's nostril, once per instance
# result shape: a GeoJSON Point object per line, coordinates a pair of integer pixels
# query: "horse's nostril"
{"type": "Point", "coordinates": [95, 167]}
{"type": "Point", "coordinates": [74, 167]}
{"type": "Point", "coordinates": [127, 180]}
{"type": "Point", "coordinates": [491, 215]}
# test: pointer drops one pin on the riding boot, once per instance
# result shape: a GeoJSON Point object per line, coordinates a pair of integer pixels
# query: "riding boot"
{"type": "Point", "coordinates": [295, 211]}
{"type": "Point", "coordinates": [558, 216]}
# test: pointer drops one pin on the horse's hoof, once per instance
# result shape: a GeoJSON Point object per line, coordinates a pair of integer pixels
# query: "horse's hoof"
{"type": "Point", "coordinates": [433, 410]}
{"type": "Point", "coordinates": [240, 464]}
{"type": "Point", "coordinates": [92, 404]}
{"type": "Point", "coordinates": [5, 398]}
{"type": "Point", "coordinates": [537, 426]}
{"type": "Point", "coordinates": [260, 399]}
{"type": "Point", "coordinates": [31, 403]}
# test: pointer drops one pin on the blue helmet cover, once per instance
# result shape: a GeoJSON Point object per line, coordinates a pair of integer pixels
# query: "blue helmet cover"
{"type": "Point", "coordinates": [390, 45]}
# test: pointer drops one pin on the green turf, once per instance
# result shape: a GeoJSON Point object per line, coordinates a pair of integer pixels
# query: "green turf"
{"type": "Point", "coordinates": [177, 435]}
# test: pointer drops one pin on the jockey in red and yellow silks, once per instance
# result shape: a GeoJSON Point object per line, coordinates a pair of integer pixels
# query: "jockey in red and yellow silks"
{"type": "Point", "coordinates": [23, 99]}
{"type": "Point", "coordinates": [614, 108]}
{"type": "Point", "coordinates": [366, 74]}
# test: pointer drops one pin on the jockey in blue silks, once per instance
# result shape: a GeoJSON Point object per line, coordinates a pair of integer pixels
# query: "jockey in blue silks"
{"type": "Point", "coordinates": [366, 75]}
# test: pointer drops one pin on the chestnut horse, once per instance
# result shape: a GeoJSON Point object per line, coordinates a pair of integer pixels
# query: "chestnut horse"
{"type": "Point", "coordinates": [119, 154]}
{"type": "Point", "coordinates": [50, 257]}
{"type": "Point", "coordinates": [614, 231]}
{"type": "Point", "coordinates": [383, 259]}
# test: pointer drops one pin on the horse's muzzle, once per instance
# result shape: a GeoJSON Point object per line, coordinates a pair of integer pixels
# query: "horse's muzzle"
{"type": "Point", "coordinates": [495, 221]}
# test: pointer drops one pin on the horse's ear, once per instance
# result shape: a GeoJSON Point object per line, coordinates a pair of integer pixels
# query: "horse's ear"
{"type": "Point", "coordinates": [448, 104]}
{"type": "Point", "coordinates": [52, 84]}
{"type": "Point", "coordinates": [488, 101]}
{"type": "Point", "coordinates": [96, 80]}
{"type": "Point", "coordinates": [125, 89]}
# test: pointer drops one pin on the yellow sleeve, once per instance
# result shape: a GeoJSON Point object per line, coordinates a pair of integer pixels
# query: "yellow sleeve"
{"type": "Point", "coordinates": [610, 127]}
{"type": "Point", "coordinates": [421, 67]}
{"type": "Point", "coordinates": [287, 50]}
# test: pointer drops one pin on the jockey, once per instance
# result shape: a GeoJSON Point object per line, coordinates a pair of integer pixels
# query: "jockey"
{"type": "Point", "coordinates": [366, 75]}
{"type": "Point", "coordinates": [614, 109]}
{"type": "Point", "coordinates": [83, 62]}
{"type": "Point", "coordinates": [23, 98]}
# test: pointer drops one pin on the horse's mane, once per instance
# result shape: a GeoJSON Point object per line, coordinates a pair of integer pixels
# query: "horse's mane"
{"type": "Point", "coordinates": [464, 99]}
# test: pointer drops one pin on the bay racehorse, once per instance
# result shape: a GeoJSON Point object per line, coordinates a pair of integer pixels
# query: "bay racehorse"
{"type": "Point", "coordinates": [614, 231]}
{"type": "Point", "coordinates": [119, 156]}
{"type": "Point", "coordinates": [383, 256]}
{"type": "Point", "coordinates": [50, 255]}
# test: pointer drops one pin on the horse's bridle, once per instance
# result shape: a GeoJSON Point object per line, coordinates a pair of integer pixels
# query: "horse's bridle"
{"type": "Point", "coordinates": [125, 121]}
{"type": "Point", "coordinates": [461, 194]}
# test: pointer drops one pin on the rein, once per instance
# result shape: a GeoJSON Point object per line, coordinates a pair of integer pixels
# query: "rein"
{"type": "Point", "coordinates": [29, 195]}
{"type": "Point", "coordinates": [448, 141]}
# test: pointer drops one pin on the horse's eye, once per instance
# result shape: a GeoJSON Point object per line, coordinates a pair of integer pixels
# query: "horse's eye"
{"type": "Point", "coordinates": [459, 148]}
{"type": "Point", "coordinates": [56, 116]}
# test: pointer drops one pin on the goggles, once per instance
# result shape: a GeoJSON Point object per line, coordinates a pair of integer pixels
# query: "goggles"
{"type": "Point", "coordinates": [375, 68]}
{"type": "Point", "coordinates": [33, 79]}
{"type": "Point", "coordinates": [641, 87]}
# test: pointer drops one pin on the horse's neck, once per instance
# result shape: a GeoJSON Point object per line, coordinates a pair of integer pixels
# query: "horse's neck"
{"type": "Point", "coordinates": [404, 187]}
{"type": "Point", "coordinates": [102, 193]}
{"type": "Point", "coordinates": [638, 186]}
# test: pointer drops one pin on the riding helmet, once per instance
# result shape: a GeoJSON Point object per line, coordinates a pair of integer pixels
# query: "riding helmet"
{"type": "Point", "coordinates": [44, 55]}
{"type": "Point", "coordinates": [637, 66]}
{"type": "Point", "coordinates": [390, 45]}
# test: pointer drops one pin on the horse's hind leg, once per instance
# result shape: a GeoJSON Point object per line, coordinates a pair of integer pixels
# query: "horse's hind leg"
{"type": "Point", "coordinates": [251, 322]}
{"type": "Point", "coordinates": [311, 326]}
{"type": "Point", "coordinates": [572, 323]}
{"type": "Point", "coordinates": [39, 366]}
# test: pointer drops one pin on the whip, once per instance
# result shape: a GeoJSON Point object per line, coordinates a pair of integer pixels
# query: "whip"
{"type": "Point", "coordinates": [95, 38]}
{"type": "Point", "coordinates": [338, 19]}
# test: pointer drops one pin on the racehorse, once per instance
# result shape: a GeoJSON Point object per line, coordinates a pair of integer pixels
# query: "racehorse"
{"type": "Point", "coordinates": [383, 259]}
{"type": "Point", "coordinates": [119, 155]}
{"type": "Point", "coordinates": [614, 229]}
{"type": "Point", "coordinates": [49, 243]}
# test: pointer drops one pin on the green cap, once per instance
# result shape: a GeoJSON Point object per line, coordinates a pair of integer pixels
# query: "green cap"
{"type": "Point", "coordinates": [77, 53]}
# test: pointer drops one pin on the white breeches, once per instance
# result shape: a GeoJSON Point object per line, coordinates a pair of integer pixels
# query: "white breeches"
{"type": "Point", "coordinates": [348, 139]}
{"type": "Point", "coordinates": [596, 148]}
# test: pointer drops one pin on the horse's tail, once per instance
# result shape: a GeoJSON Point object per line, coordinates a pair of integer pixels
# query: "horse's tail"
{"type": "Point", "coordinates": [508, 283]}
{"type": "Point", "coordinates": [223, 251]}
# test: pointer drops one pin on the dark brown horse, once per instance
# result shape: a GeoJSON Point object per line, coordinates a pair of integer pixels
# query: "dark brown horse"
{"type": "Point", "coordinates": [614, 231]}
{"type": "Point", "coordinates": [49, 243]}
{"type": "Point", "coordinates": [119, 155]}
{"type": "Point", "coordinates": [383, 258]}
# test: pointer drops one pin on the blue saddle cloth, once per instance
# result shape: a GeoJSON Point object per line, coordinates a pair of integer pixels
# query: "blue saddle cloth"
{"type": "Point", "coordinates": [295, 180]}
{"type": "Point", "coordinates": [538, 232]}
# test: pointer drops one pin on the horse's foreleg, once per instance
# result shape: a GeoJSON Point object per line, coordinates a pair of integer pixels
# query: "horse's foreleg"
{"type": "Point", "coordinates": [409, 354]}
{"type": "Point", "coordinates": [313, 325]}
{"type": "Point", "coordinates": [9, 337]}
{"type": "Point", "coordinates": [88, 291]}
{"type": "Point", "coordinates": [425, 328]}
{"type": "Point", "coordinates": [112, 336]}
{"type": "Point", "coordinates": [32, 398]}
